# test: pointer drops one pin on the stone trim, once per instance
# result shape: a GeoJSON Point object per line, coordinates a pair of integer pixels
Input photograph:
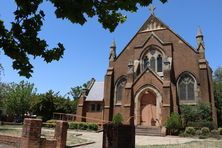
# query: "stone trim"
{"type": "Point", "coordinates": [106, 106]}
{"type": "Point", "coordinates": [166, 105]}
{"type": "Point", "coordinates": [127, 105]}
{"type": "Point", "coordinates": [158, 104]}
{"type": "Point", "coordinates": [196, 90]}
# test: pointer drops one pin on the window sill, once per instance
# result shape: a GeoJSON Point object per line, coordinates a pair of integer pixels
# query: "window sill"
{"type": "Point", "coordinates": [193, 102]}
{"type": "Point", "coordinates": [118, 104]}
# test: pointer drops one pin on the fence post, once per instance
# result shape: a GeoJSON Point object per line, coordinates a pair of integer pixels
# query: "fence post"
{"type": "Point", "coordinates": [61, 133]}
{"type": "Point", "coordinates": [31, 133]}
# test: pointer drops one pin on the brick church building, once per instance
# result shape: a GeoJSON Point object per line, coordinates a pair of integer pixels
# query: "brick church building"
{"type": "Point", "coordinates": [155, 73]}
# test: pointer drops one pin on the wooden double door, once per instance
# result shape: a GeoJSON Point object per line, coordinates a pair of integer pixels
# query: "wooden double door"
{"type": "Point", "coordinates": [148, 109]}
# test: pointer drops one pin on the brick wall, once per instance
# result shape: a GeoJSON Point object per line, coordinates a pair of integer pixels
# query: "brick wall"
{"type": "Point", "coordinates": [61, 134]}
{"type": "Point", "coordinates": [31, 136]}
{"type": "Point", "coordinates": [45, 143]}
{"type": "Point", "coordinates": [10, 140]}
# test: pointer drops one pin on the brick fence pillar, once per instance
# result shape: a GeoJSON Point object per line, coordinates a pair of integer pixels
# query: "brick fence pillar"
{"type": "Point", "coordinates": [31, 133]}
{"type": "Point", "coordinates": [61, 133]}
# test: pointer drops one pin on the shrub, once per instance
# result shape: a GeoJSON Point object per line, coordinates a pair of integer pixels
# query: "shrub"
{"type": "Point", "coordinates": [204, 111]}
{"type": "Point", "coordinates": [81, 125]}
{"type": "Point", "coordinates": [215, 134]}
{"type": "Point", "coordinates": [173, 123]}
{"type": "Point", "coordinates": [220, 130]}
{"type": "Point", "coordinates": [200, 124]}
{"type": "Point", "coordinates": [198, 132]}
{"type": "Point", "coordinates": [205, 131]}
{"type": "Point", "coordinates": [118, 119]}
{"type": "Point", "coordinates": [50, 123]}
{"type": "Point", "coordinates": [198, 113]}
{"type": "Point", "coordinates": [203, 137]}
{"type": "Point", "coordinates": [73, 125]}
{"type": "Point", "coordinates": [85, 126]}
{"type": "Point", "coordinates": [183, 134]}
{"type": "Point", "coordinates": [190, 130]}
{"type": "Point", "coordinates": [93, 126]}
{"type": "Point", "coordinates": [188, 113]}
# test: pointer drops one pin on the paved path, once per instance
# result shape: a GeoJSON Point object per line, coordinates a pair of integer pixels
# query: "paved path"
{"type": "Point", "coordinates": [155, 140]}
{"type": "Point", "coordinates": [97, 137]}
{"type": "Point", "coordinates": [140, 140]}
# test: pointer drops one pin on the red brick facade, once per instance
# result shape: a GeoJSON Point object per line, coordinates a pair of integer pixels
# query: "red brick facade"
{"type": "Point", "coordinates": [179, 64]}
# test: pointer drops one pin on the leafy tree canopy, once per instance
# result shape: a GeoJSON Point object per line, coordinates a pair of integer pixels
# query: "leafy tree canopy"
{"type": "Point", "coordinates": [76, 91]}
{"type": "Point", "coordinates": [218, 93]}
{"type": "Point", "coordinates": [21, 41]}
{"type": "Point", "coordinates": [17, 98]}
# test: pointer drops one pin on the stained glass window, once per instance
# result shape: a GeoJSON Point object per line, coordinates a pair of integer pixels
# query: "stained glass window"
{"type": "Point", "coordinates": [120, 89]}
{"type": "Point", "coordinates": [159, 64]}
{"type": "Point", "coordinates": [186, 87]}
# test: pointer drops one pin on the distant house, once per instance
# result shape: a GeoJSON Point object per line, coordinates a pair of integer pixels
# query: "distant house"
{"type": "Point", "coordinates": [90, 105]}
{"type": "Point", "coordinates": [154, 74]}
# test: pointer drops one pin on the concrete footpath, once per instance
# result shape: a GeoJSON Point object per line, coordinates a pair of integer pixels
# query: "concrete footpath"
{"type": "Point", "coordinates": [140, 140]}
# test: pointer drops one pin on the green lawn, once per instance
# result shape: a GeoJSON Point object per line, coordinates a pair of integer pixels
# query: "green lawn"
{"type": "Point", "coordinates": [195, 144]}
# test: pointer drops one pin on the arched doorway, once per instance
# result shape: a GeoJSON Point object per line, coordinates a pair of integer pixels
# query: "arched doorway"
{"type": "Point", "coordinates": [148, 109]}
{"type": "Point", "coordinates": [148, 104]}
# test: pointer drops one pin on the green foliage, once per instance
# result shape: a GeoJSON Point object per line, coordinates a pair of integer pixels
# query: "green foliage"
{"type": "Point", "coordinates": [22, 41]}
{"type": "Point", "coordinates": [203, 136]}
{"type": "Point", "coordinates": [205, 131]}
{"type": "Point", "coordinates": [220, 130]}
{"type": "Point", "coordinates": [190, 130]}
{"type": "Point", "coordinates": [75, 92]}
{"type": "Point", "coordinates": [215, 134]}
{"type": "Point", "coordinates": [200, 124]}
{"type": "Point", "coordinates": [197, 113]}
{"type": "Point", "coordinates": [218, 74]}
{"type": "Point", "coordinates": [83, 126]}
{"type": "Point", "coordinates": [4, 89]}
{"type": "Point", "coordinates": [174, 123]}
{"type": "Point", "coordinates": [198, 132]}
{"type": "Point", "coordinates": [43, 105]}
{"type": "Point", "coordinates": [73, 125]}
{"type": "Point", "coordinates": [93, 126]}
{"type": "Point", "coordinates": [46, 104]}
{"type": "Point", "coordinates": [18, 97]}
{"type": "Point", "coordinates": [218, 93]}
{"type": "Point", "coordinates": [117, 119]}
{"type": "Point", "coordinates": [50, 123]}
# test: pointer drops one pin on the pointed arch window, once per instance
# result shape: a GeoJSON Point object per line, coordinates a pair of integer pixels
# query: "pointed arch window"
{"type": "Point", "coordinates": [186, 87]}
{"type": "Point", "coordinates": [159, 64]}
{"type": "Point", "coordinates": [145, 62]}
{"type": "Point", "coordinates": [153, 63]}
{"type": "Point", "coordinates": [152, 58]}
{"type": "Point", "coordinates": [120, 89]}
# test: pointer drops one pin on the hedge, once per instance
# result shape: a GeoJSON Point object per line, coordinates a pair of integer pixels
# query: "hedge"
{"type": "Point", "coordinates": [74, 125]}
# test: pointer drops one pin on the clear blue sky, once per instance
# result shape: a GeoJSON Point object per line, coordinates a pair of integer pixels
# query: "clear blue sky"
{"type": "Point", "coordinates": [87, 47]}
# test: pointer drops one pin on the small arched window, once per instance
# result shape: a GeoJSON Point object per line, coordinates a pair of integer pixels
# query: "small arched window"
{"type": "Point", "coordinates": [186, 87]}
{"type": "Point", "coordinates": [153, 64]}
{"type": "Point", "coordinates": [120, 89]}
{"type": "Point", "coordinates": [159, 64]}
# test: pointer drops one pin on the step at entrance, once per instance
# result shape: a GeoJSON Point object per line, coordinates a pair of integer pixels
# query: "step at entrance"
{"type": "Point", "coordinates": [148, 131]}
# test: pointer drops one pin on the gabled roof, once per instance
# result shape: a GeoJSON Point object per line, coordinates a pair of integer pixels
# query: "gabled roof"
{"type": "Point", "coordinates": [96, 92]}
{"type": "Point", "coordinates": [153, 23]}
